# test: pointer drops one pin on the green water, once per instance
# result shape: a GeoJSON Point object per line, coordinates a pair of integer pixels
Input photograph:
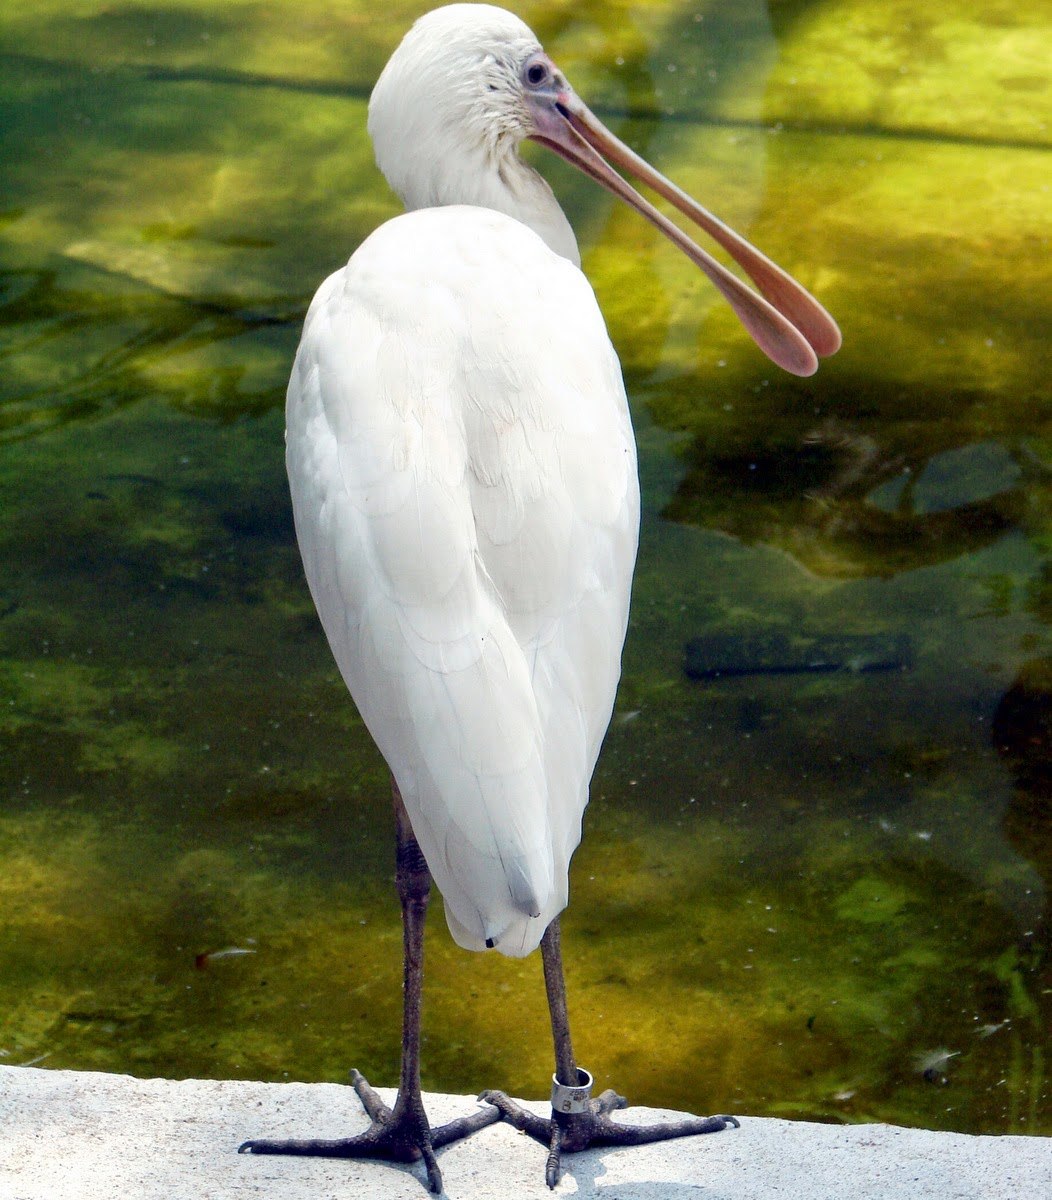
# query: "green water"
{"type": "Point", "coordinates": [824, 895]}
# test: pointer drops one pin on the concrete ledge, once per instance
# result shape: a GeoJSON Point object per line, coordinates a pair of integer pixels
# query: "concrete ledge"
{"type": "Point", "coordinates": [66, 1135]}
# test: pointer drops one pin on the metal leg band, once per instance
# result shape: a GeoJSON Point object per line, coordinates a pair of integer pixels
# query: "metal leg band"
{"type": "Point", "coordinates": [567, 1099]}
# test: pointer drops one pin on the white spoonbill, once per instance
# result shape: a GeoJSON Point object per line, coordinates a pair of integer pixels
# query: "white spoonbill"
{"type": "Point", "coordinates": [463, 476]}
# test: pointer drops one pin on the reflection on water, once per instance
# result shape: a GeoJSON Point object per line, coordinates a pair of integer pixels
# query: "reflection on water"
{"type": "Point", "coordinates": [813, 893]}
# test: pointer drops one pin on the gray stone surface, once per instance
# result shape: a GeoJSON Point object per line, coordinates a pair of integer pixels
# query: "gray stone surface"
{"type": "Point", "coordinates": [67, 1135]}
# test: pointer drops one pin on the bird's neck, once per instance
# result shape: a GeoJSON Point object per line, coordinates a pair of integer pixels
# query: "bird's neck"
{"type": "Point", "coordinates": [506, 184]}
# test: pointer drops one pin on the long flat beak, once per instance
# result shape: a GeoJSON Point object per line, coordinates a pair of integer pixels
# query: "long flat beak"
{"type": "Point", "coordinates": [785, 320]}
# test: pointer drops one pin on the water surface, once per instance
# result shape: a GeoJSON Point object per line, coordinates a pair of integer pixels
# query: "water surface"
{"type": "Point", "coordinates": [813, 894]}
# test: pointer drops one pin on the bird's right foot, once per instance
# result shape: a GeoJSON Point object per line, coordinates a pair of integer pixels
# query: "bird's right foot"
{"type": "Point", "coordinates": [400, 1134]}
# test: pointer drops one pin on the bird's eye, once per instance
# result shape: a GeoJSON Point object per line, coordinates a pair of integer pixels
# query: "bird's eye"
{"type": "Point", "coordinates": [536, 74]}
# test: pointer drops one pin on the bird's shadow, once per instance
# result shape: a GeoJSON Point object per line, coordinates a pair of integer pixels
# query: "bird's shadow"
{"type": "Point", "coordinates": [589, 1178]}
{"type": "Point", "coordinates": [588, 1168]}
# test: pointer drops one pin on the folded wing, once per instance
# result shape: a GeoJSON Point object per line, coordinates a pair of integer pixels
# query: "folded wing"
{"type": "Point", "coordinates": [464, 484]}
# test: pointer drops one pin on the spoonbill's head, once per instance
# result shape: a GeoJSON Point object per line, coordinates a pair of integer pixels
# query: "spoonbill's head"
{"type": "Point", "coordinates": [470, 82]}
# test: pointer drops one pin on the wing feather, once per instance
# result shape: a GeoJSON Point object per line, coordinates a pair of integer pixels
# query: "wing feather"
{"type": "Point", "coordinates": [464, 485]}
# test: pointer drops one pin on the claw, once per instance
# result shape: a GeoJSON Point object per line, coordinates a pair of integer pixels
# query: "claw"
{"type": "Point", "coordinates": [434, 1175]}
{"type": "Point", "coordinates": [554, 1160]}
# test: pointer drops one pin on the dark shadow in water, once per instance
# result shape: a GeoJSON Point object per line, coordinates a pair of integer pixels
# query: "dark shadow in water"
{"type": "Point", "coordinates": [875, 488]}
{"type": "Point", "coordinates": [96, 334]}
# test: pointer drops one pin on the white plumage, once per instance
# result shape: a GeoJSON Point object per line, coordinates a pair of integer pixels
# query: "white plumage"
{"type": "Point", "coordinates": [448, 113]}
{"type": "Point", "coordinates": [464, 486]}
{"type": "Point", "coordinates": [463, 470]}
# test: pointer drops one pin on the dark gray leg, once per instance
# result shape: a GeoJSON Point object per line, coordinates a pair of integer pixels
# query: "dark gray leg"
{"type": "Point", "coordinates": [401, 1134]}
{"type": "Point", "coordinates": [584, 1122]}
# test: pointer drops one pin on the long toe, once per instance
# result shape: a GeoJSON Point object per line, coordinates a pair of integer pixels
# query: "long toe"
{"type": "Point", "coordinates": [520, 1118]}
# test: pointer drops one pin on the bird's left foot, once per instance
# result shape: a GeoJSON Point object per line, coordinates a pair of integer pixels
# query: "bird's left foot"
{"type": "Point", "coordinates": [579, 1122]}
{"type": "Point", "coordinates": [401, 1134]}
